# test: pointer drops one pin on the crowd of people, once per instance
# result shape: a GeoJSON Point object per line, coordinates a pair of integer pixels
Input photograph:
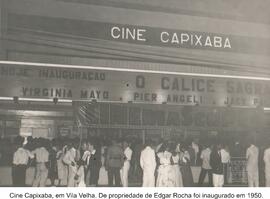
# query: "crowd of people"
{"type": "Point", "coordinates": [94, 162]}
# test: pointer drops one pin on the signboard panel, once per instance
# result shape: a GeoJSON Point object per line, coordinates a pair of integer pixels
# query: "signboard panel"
{"type": "Point", "coordinates": [142, 35]}
{"type": "Point", "coordinates": [93, 114]}
{"type": "Point", "coordinates": [125, 86]}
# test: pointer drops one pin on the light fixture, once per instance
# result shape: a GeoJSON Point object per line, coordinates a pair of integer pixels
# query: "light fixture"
{"type": "Point", "coordinates": [94, 101]}
{"type": "Point", "coordinates": [55, 100]}
{"type": "Point", "coordinates": [6, 98]}
{"type": "Point", "coordinates": [16, 99]}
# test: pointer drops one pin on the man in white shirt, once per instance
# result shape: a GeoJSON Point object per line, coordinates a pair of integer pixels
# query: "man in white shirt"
{"type": "Point", "coordinates": [86, 160]}
{"type": "Point", "coordinates": [252, 155]}
{"type": "Point", "coordinates": [266, 158]}
{"type": "Point", "coordinates": [125, 169]}
{"type": "Point", "coordinates": [42, 158]}
{"type": "Point", "coordinates": [225, 159]}
{"type": "Point", "coordinates": [19, 163]}
{"type": "Point", "coordinates": [196, 149]}
{"type": "Point", "coordinates": [148, 165]}
{"type": "Point", "coordinates": [70, 160]}
{"type": "Point", "coordinates": [217, 166]}
{"type": "Point", "coordinates": [206, 168]}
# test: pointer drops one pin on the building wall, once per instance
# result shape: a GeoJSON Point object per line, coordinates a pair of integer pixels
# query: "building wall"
{"type": "Point", "coordinates": [3, 28]}
{"type": "Point", "coordinates": [36, 119]}
{"type": "Point", "coordinates": [29, 38]}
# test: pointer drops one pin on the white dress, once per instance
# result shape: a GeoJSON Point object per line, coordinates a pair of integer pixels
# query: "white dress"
{"type": "Point", "coordinates": [103, 174]}
{"type": "Point", "coordinates": [166, 176]}
{"type": "Point", "coordinates": [80, 175]}
{"type": "Point", "coordinates": [176, 171]}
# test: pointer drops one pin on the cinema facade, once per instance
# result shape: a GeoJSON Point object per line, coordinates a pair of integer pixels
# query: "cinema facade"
{"type": "Point", "coordinates": [144, 69]}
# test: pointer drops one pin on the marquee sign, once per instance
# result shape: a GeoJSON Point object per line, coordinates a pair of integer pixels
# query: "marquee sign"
{"type": "Point", "coordinates": [171, 38]}
{"type": "Point", "coordinates": [141, 35]}
{"type": "Point", "coordinates": [124, 86]}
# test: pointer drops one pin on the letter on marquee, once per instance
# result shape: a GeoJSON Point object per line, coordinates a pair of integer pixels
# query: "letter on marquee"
{"type": "Point", "coordinates": [115, 32]}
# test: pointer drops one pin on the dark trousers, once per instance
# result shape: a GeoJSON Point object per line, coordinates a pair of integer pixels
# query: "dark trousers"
{"type": "Point", "coordinates": [225, 172]}
{"type": "Point", "coordinates": [114, 173]}
{"type": "Point", "coordinates": [94, 175]}
{"type": "Point", "coordinates": [202, 176]}
{"type": "Point", "coordinates": [18, 175]}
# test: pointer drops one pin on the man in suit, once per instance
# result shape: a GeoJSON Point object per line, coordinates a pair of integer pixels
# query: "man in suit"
{"type": "Point", "coordinates": [94, 163]}
{"type": "Point", "coordinates": [148, 164]}
{"type": "Point", "coordinates": [217, 166]}
{"type": "Point", "coordinates": [114, 162]}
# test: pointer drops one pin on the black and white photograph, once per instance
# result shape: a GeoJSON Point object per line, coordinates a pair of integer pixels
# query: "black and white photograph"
{"type": "Point", "coordinates": [134, 93]}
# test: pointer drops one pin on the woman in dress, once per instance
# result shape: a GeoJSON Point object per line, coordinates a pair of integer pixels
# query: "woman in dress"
{"type": "Point", "coordinates": [166, 176]}
{"type": "Point", "coordinates": [62, 169]}
{"type": "Point", "coordinates": [103, 174]}
{"type": "Point", "coordinates": [176, 167]}
{"type": "Point", "coordinates": [80, 175]}
{"type": "Point", "coordinates": [185, 167]}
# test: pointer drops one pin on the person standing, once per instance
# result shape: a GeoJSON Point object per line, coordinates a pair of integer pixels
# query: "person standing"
{"type": "Point", "coordinates": [206, 168]}
{"type": "Point", "coordinates": [225, 159]}
{"type": "Point", "coordinates": [217, 166]}
{"type": "Point", "coordinates": [114, 162]}
{"type": "Point", "coordinates": [80, 175]}
{"type": "Point", "coordinates": [19, 163]}
{"type": "Point", "coordinates": [53, 175]}
{"type": "Point", "coordinates": [266, 159]}
{"type": "Point", "coordinates": [62, 169]}
{"type": "Point", "coordinates": [103, 174]}
{"type": "Point", "coordinates": [94, 164]}
{"type": "Point", "coordinates": [42, 159]}
{"type": "Point", "coordinates": [125, 169]}
{"type": "Point", "coordinates": [176, 167]}
{"type": "Point", "coordinates": [148, 164]}
{"type": "Point", "coordinates": [196, 148]}
{"type": "Point", "coordinates": [166, 177]}
{"type": "Point", "coordinates": [135, 169]}
{"type": "Point", "coordinates": [86, 154]}
{"type": "Point", "coordinates": [252, 156]}
{"type": "Point", "coordinates": [185, 162]}
{"type": "Point", "coordinates": [70, 160]}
